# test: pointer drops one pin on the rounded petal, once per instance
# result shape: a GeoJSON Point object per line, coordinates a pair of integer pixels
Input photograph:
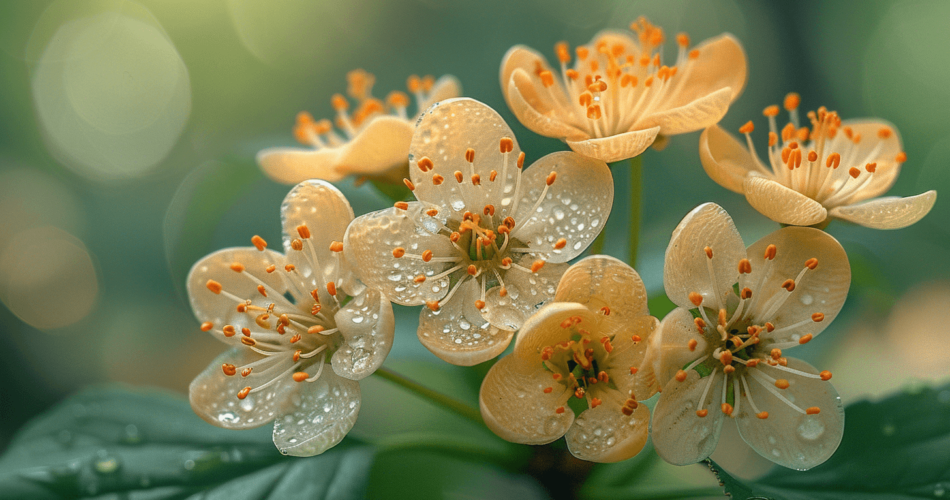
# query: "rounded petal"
{"type": "Point", "coordinates": [616, 147]}
{"type": "Point", "coordinates": [873, 149]}
{"type": "Point", "coordinates": [519, 57]}
{"type": "Point", "coordinates": [696, 115]}
{"type": "Point", "coordinates": [367, 325]}
{"type": "Point", "coordinates": [605, 435]}
{"type": "Point", "coordinates": [544, 100]}
{"type": "Point", "coordinates": [544, 329]}
{"type": "Point", "coordinates": [687, 268]}
{"type": "Point", "coordinates": [601, 281]}
{"type": "Point", "coordinates": [550, 124]}
{"type": "Point", "coordinates": [892, 212]}
{"type": "Point", "coordinates": [369, 243]}
{"type": "Point", "coordinates": [443, 134]}
{"type": "Point", "coordinates": [822, 290]}
{"type": "Point", "coordinates": [668, 349]}
{"type": "Point", "coordinates": [725, 159]}
{"type": "Point", "coordinates": [575, 206]}
{"type": "Point", "coordinates": [293, 165]}
{"type": "Point", "coordinates": [788, 437]}
{"type": "Point", "coordinates": [680, 436]}
{"type": "Point", "coordinates": [322, 413]}
{"type": "Point", "coordinates": [515, 406]}
{"type": "Point", "coordinates": [722, 63]}
{"type": "Point", "coordinates": [458, 333]}
{"type": "Point", "coordinates": [527, 292]}
{"type": "Point", "coordinates": [220, 309]}
{"type": "Point", "coordinates": [383, 144]}
{"type": "Point", "coordinates": [446, 87]}
{"type": "Point", "coordinates": [213, 395]}
{"type": "Point", "coordinates": [781, 204]}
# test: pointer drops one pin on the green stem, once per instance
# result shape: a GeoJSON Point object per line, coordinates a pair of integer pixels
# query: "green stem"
{"type": "Point", "coordinates": [436, 397]}
{"type": "Point", "coordinates": [598, 493]}
{"type": "Point", "coordinates": [597, 247]}
{"type": "Point", "coordinates": [506, 455]}
{"type": "Point", "coordinates": [635, 192]}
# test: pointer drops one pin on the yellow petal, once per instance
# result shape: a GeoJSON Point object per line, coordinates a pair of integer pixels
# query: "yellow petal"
{"type": "Point", "coordinates": [781, 204]}
{"type": "Point", "coordinates": [722, 63]}
{"type": "Point", "coordinates": [544, 328]}
{"type": "Point", "coordinates": [551, 124]}
{"type": "Point", "coordinates": [628, 353]}
{"type": "Point", "coordinates": [602, 281]}
{"type": "Point", "coordinates": [679, 435]}
{"type": "Point", "coordinates": [293, 165]}
{"type": "Point", "coordinates": [526, 293]}
{"type": "Point", "coordinates": [519, 57]}
{"type": "Point", "coordinates": [606, 435]}
{"type": "Point", "coordinates": [699, 114]}
{"type": "Point", "coordinates": [616, 147]}
{"type": "Point", "coordinates": [668, 349]}
{"type": "Point", "coordinates": [888, 213]}
{"type": "Point", "coordinates": [725, 159]}
{"type": "Point", "coordinates": [446, 87]}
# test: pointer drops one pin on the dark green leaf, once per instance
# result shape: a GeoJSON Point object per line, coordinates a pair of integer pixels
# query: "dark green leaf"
{"type": "Point", "coordinates": [147, 444]}
{"type": "Point", "coordinates": [895, 449]}
{"type": "Point", "coordinates": [660, 305]}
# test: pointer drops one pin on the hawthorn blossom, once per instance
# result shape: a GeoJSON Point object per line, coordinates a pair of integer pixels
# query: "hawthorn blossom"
{"type": "Point", "coordinates": [486, 243]}
{"type": "Point", "coordinates": [299, 343]}
{"type": "Point", "coordinates": [620, 97]}
{"type": "Point", "coordinates": [371, 142]}
{"type": "Point", "coordinates": [587, 344]}
{"type": "Point", "coordinates": [818, 173]}
{"type": "Point", "coordinates": [722, 352]}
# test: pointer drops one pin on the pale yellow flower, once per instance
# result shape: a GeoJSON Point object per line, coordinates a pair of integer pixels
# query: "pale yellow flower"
{"type": "Point", "coordinates": [486, 243]}
{"type": "Point", "coordinates": [722, 351]}
{"type": "Point", "coordinates": [298, 342]}
{"type": "Point", "coordinates": [620, 97]}
{"type": "Point", "coordinates": [817, 173]}
{"type": "Point", "coordinates": [588, 344]}
{"type": "Point", "coordinates": [372, 142]}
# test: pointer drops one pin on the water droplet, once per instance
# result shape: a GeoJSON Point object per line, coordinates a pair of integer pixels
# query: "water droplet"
{"type": "Point", "coordinates": [888, 429]}
{"type": "Point", "coordinates": [811, 428]}
{"type": "Point", "coordinates": [939, 490]}
{"type": "Point", "coordinates": [131, 435]}
{"type": "Point", "coordinates": [806, 299]}
{"type": "Point", "coordinates": [189, 464]}
{"type": "Point", "coordinates": [106, 463]}
{"type": "Point", "coordinates": [228, 417]}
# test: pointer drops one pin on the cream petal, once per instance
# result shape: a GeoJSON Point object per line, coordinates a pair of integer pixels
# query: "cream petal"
{"type": "Point", "coordinates": [725, 159]}
{"type": "Point", "coordinates": [679, 435]}
{"type": "Point", "coordinates": [575, 207]}
{"type": "Point", "coordinates": [322, 413]}
{"type": "Point", "coordinates": [605, 435]}
{"type": "Point", "coordinates": [787, 437]}
{"type": "Point", "coordinates": [293, 165]}
{"type": "Point", "coordinates": [892, 212]}
{"type": "Point", "coordinates": [629, 353]}
{"type": "Point", "coordinates": [822, 290]}
{"type": "Point", "coordinates": [369, 243]}
{"type": "Point", "coordinates": [781, 204]}
{"type": "Point", "coordinates": [220, 309]}
{"type": "Point", "coordinates": [458, 333]}
{"type": "Point", "coordinates": [213, 394]}
{"type": "Point", "coordinates": [515, 406]}
{"type": "Point", "coordinates": [552, 124]}
{"type": "Point", "coordinates": [367, 325]}
{"type": "Point", "coordinates": [601, 280]}
{"type": "Point", "coordinates": [722, 63]}
{"type": "Point", "coordinates": [544, 329]}
{"type": "Point", "coordinates": [527, 292]}
{"type": "Point", "coordinates": [696, 115]}
{"type": "Point", "coordinates": [550, 101]}
{"type": "Point", "coordinates": [616, 147]}
{"type": "Point", "coordinates": [668, 349]}
{"type": "Point", "coordinates": [613, 38]}
{"type": "Point", "coordinates": [519, 57]}
{"type": "Point", "coordinates": [382, 145]}
{"type": "Point", "coordinates": [686, 267]}
{"type": "Point", "coordinates": [443, 134]}
{"type": "Point", "coordinates": [446, 87]}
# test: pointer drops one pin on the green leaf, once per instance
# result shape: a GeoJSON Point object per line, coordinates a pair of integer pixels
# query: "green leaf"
{"type": "Point", "coordinates": [897, 449]}
{"type": "Point", "coordinates": [660, 305]}
{"type": "Point", "coordinates": [148, 444]}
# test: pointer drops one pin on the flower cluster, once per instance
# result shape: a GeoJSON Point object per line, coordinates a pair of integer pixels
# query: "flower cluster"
{"type": "Point", "coordinates": [485, 248]}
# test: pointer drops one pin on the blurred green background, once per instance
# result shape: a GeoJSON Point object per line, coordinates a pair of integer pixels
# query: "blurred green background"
{"type": "Point", "coordinates": [128, 131]}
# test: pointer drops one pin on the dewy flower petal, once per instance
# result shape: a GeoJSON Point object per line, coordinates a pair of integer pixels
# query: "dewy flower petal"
{"type": "Point", "coordinates": [287, 317]}
{"type": "Point", "coordinates": [725, 355]}
{"type": "Point", "coordinates": [619, 97]}
{"type": "Point", "coordinates": [591, 350]}
{"type": "Point", "coordinates": [371, 142]}
{"type": "Point", "coordinates": [818, 172]}
{"type": "Point", "coordinates": [486, 242]}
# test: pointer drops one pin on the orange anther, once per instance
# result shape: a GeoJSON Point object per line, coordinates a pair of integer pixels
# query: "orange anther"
{"type": "Point", "coordinates": [729, 369]}
{"type": "Point", "coordinates": [561, 243]}
{"type": "Point", "coordinates": [776, 353]}
{"type": "Point", "coordinates": [336, 246]}
{"type": "Point", "coordinates": [472, 270]}
{"type": "Point", "coordinates": [871, 167]}
{"type": "Point", "coordinates": [598, 86]}
{"type": "Point", "coordinates": [505, 262]}
{"type": "Point", "coordinates": [700, 324]}
{"type": "Point", "coordinates": [854, 172]}
{"type": "Point", "coordinates": [680, 376]}
{"type": "Point", "coordinates": [339, 102]}
{"type": "Point", "coordinates": [229, 369]}
{"type": "Point", "coordinates": [237, 267]}
{"type": "Point", "coordinates": [296, 244]}
{"type": "Point", "coordinates": [726, 358]}
{"type": "Point", "coordinates": [834, 159]}
{"type": "Point", "coordinates": [682, 39]}
{"type": "Point", "coordinates": [812, 156]}
{"type": "Point", "coordinates": [551, 177]}
{"type": "Point", "coordinates": [726, 408]}
{"type": "Point", "coordinates": [458, 177]}
{"type": "Point", "coordinates": [214, 286]}
{"type": "Point", "coordinates": [489, 210]}
{"type": "Point", "coordinates": [289, 268]}
{"type": "Point", "coordinates": [537, 265]}
{"type": "Point", "coordinates": [295, 339]}
{"type": "Point", "coordinates": [770, 111]}
{"type": "Point", "coordinates": [745, 267]}
{"type": "Point", "coordinates": [300, 376]}
{"type": "Point", "coordinates": [397, 99]}
{"type": "Point", "coordinates": [593, 112]}
{"type": "Point", "coordinates": [805, 339]}
{"type": "Point", "coordinates": [696, 299]}
{"type": "Point", "coordinates": [520, 161]}
{"type": "Point", "coordinates": [243, 392]}
{"type": "Point", "coordinates": [762, 415]}
{"type": "Point", "coordinates": [427, 255]}
{"type": "Point", "coordinates": [259, 242]}
{"type": "Point", "coordinates": [789, 285]}
{"type": "Point", "coordinates": [548, 390]}
{"type": "Point", "coordinates": [401, 205]}
{"type": "Point", "coordinates": [437, 179]}
{"type": "Point", "coordinates": [752, 363]}
{"type": "Point", "coordinates": [722, 317]}
{"type": "Point", "coordinates": [702, 413]}
{"type": "Point", "coordinates": [694, 54]}
{"type": "Point", "coordinates": [781, 383]}
{"type": "Point", "coordinates": [825, 375]}
{"type": "Point", "coordinates": [398, 252]}
{"type": "Point", "coordinates": [770, 252]}
{"type": "Point", "coordinates": [261, 290]}
{"type": "Point", "coordinates": [817, 317]}
{"type": "Point", "coordinates": [271, 268]}
{"type": "Point", "coordinates": [247, 371]}
{"type": "Point", "coordinates": [248, 341]}
{"type": "Point", "coordinates": [708, 251]}
{"type": "Point", "coordinates": [331, 288]}
{"type": "Point", "coordinates": [563, 52]}
{"type": "Point", "coordinates": [433, 305]}
{"type": "Point", "coordinates": [748, 128]}
{"type": "Point", "coordinates": [814, 410]}
{"type": "Point", "coordinates": [303, 231]}
{"type": "Point", "coordinates": [206, 326]}
{"type": "Point", "coordinates": [745, 293]}
{"type": "Point", "coordinates": [901, 157]}
{"type": "Point", "coordinates": [315, 329]}
{"type": "Point", "coordinates": [409, 184]}
{"type": "Point", "coordinates": [228, 331]}
{"type": "Point", "coordinates": [692, 344]}
{"type": "Point", "coordinates": [773, 138]}
{"type": "Point", "coordinates": [547, 78]}
{"type": "Point", "coordinates": [559, 410]}
{"type": "Point", "coordinates": [506, 144]}
{"type": "Point", "coordinates": [811, 263]}
{"type": "Point", "coordinates": [792, 100]}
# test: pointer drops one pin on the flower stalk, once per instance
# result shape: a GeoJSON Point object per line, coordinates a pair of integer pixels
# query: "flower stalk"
{"type": "Point", "coordinates": [636, 206]}
{"type": "Point", "coordinates": [433, 396]}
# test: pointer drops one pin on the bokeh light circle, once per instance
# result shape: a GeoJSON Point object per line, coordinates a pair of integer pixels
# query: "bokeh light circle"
{"type": "Point", "coordinates": [30, 198]}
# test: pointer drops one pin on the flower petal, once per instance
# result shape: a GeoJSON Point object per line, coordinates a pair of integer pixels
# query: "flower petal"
{"type": "Point", "coordinates": [873, 149]}
{"type": "Point", "coordinates": [367, 325]}
{"type": "Point", "coordinates": [892, 212]}
{"type": "Point", "coordinates": [629, 353]}
{"type": "Point", "coordinates": [616, 147]}
{"type": "Point", "coordinates": [668, 349]}
{"type": "Point", "coordinates": [519, 57]}
{"type": "Point", "coordinates": [446, 87]}
{"type": "Point", "coordinates": [822, 290]}
{"type": "Point", "coordinates": [527, 292]}
{"type": "Point", "coordinates": [443, 134]}
{"type": "Point", "coordinates": [725, 159]}
{"type": "Point", "coordinates": [781, 204]}
{"type": "Point", "coordinates": [696, 115]}
{"type": "Point", "coordinates": [606, 435]}
{"type": "Point", "coordinates": [575, 206]}
{"type": "Point", "coordinates": [679, 435]}
{"type": "Point", "coordinates": [458, 333]}
{"type": "Point", "coordinates": [293, 165]}
{"type": "Point", "coordinates": [550, 124]}
{"type": "Point", "coordinates": [369, 243]}
{"type": "Point", "coordinates": [322, 413]}
{"type": "Point", "coordinates": [787, 437]}
{"type": "Point", "coordinates": [515, 406]}
{"type": "Point", "coordinates": [219, 308]}
{"type": "Point", "coordinates": [686, 267]}
{"type": "Point", "coordinates": [544, 328]}
{"type": "Point", "coordinates": [721, 64]}
{"type": "Point", "coordinates": [601, 281]}
{"type": "Point", "coordinates": [213, 394]}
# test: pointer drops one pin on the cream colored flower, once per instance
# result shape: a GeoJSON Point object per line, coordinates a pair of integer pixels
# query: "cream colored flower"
{"type": "Point", "coordinates": [817, 173]}
{"type": "Point", "coordinates": [619, 98]}
{"type": "Point", "coordinates": [486, 243]}
{"type": "Point", "coordinates": [286, 318]}
{"type": "Point", "coordinates": [722, 351]}
{"type": "Point", "coordinates": [588, 344]}
{"type": "Point", "coordinates": [372, 142]}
